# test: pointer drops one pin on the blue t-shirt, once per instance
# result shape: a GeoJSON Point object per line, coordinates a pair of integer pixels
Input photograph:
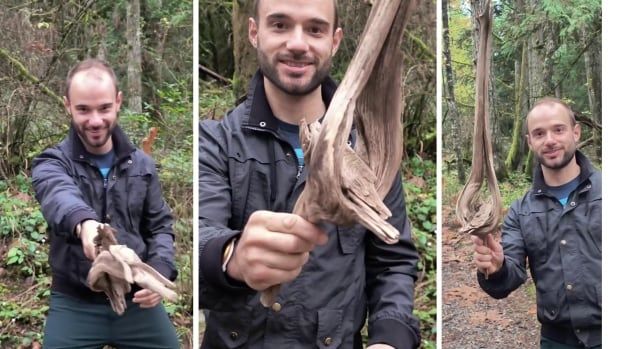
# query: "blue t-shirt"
{"type": "Point", "coordinates": [563, 191]}
{"type": "Point", "coordinates": [104, 162]}
{"type": "Point", "coordinates": [290, 133]}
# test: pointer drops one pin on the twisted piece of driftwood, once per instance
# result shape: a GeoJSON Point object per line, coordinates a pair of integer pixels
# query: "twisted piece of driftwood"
{"type": "Point", "coordinates": [478, 217]}
{"type": "Point", "coordinates": [345, 186]}
{"type": "Point", "coordinates": [116, 267]}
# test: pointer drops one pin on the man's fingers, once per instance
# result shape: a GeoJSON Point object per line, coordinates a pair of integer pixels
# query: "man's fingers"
{"type": "Point", "coordinates": [282, 261]}
{"type": "Point", "coordinates": [293, 224]}
{"type": "Point", "coordinates": [493, 244]}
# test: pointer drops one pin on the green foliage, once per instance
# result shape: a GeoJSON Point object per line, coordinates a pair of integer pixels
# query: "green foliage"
{"type": "Point", "coordinates": [420, 187]}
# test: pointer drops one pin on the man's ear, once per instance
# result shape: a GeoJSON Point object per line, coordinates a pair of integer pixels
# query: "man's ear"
{"type": "Point", "coordinates": [253, 32]}
{"type": "Point", "coordinates": [119, 100]}
{"type": "Point", "coordinates": [529, 144]}
{"type": "Point", "coordinates": [337, 39]}
{"type": "Point", "coordinates": [577, 132]}
{"type": "Point", "coordinates": [67, 104]}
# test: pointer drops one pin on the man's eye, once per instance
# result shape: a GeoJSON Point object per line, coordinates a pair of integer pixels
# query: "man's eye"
{"type": "Point", "coordinates": [279, 25]}
{"type": "Point", "coordinates": [315, 30]}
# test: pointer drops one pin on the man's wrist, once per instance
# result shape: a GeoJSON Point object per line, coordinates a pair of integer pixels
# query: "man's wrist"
{"type": "Point", "coordinates": [229, 250]}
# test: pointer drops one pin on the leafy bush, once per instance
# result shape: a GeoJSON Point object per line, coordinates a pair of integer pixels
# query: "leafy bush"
{"type": "Point", "coordinates": [420, 186]}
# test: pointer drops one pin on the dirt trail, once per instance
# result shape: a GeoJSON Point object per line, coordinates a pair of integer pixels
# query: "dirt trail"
{"type": "Point", "coordinates": [471, 318]}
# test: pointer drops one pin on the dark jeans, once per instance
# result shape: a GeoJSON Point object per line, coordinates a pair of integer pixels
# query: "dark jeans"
{"type": "Point", "coordinates": [72, 323]}
{"type": "Point", "coordinates": [546, 343]}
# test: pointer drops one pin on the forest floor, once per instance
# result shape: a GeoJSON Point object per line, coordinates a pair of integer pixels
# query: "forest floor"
{"type": "Point", "coordinates": [471, 318]}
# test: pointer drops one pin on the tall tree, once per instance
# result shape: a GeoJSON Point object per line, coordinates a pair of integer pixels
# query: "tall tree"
{"type": "Point", "coordinates": [244, 53]}
{"type": "Point", "coordinates": [134, 57]}
{"type": "Point", "coordinates": [453, 112]}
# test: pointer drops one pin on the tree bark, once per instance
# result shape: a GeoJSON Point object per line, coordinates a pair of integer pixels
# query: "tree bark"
{"type": "Point", "coordinates": [592, 60]}
{"type": "Point", "coordinates": [244, 53]}
{"type": "Point", "coordinates": [134, 57]}
{"type": "Point", "coordinates": [514, 154]}
{"type": "Point", "coordinates": [453, 113]}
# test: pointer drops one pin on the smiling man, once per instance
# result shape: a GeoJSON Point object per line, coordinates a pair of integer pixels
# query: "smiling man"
{"type": "Point", "coordinates": [556, 227]}
{"type": "Point", "coordinates": [251, 174]}
{"type": "Point", "coordinates": [95, 175]}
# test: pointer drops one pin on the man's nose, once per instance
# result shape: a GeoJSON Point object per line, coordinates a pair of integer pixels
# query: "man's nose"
{"type": "Point", "coordinates": [550, 138]}
{"type": "Point", "coordinates": [96, 119]}
{"type": "Point", "coordinates": [297, 41]}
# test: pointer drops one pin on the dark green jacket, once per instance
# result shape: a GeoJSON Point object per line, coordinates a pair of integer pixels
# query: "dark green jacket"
{"type": "Point", "coordinates": [563, 249]}
{"type": "Point", "coordinates": [246, 166]}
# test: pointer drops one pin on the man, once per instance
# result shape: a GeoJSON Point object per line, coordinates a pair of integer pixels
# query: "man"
{"type": "Point", "coordinates": [95, 175]}
{"type": "Point", "coordinates": [556, 226]}
{"type": "Point", "coordinates": [252, 172]}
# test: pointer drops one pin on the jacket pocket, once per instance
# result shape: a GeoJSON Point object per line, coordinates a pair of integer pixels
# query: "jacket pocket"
{"type": "Point", "coordinates": [258, 195]}
{"type": "Point", "coordinates": [227, 330]}
{"type": "Point", "coordinates": [329, 332]}
{"type": "Point", "coordinates": [136, 191]}
{"type": "Point", "coordinates": [535, 224]}
{"type": "Point", "coordinates": [349, 238]}
{"type": "Point", "coordinates": [547, 303]}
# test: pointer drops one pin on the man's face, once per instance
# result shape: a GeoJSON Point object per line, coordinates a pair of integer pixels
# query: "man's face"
{"type": "Point", "coordinates": [295, 41]}
{"type": "Point", "coordinates": [551, 136]}
{"type": "Point", "coordinates": [94, 105]}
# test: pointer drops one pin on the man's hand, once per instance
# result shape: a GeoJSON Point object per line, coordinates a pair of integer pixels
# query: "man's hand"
{"type": "Point", "coordinates": [146, 298]}
{"type": "Point", "coordinates": [380, 346]}
{"type": "Point", "coordinates": [87, 234]}
{"type": "Point", "coordinates": [489, 258]}
{"type": "Point", "coordinates": [273, 248]}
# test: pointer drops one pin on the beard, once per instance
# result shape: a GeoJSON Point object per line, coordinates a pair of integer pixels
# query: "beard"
{"type": "Point", "coordinates": [270, 71]}
{"type": "Point", "coordinates": [88, 140]}
{"type": "Point", "coordinates": [569, 154]}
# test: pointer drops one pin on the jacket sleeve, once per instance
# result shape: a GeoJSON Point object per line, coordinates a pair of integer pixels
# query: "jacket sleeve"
{"type": "Point", "coordinates": [512, 273]}
{"type": "Point", "coordinates": [216, 290]}
{"type": "Point", "coordinates": [62, 203]}
{"type": "Point", "coordinates": [156, 227]}
{"type": "Point", "coordinates": [391, 272]}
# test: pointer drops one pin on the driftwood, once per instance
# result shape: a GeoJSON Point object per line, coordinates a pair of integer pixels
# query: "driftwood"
{"type": "Point", "coordinates": [116, 267]}
{"type": "Point", "coordinates": [147, 142]}
{"type": "Point", "coordinates": [476, 216]}
{"type": "Point", "coordinates": [344, 185]}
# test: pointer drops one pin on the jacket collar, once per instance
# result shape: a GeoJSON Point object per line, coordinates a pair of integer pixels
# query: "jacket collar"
{"type": "Point", "coordinates": [259, 113]}
{"type": "Point", "coordinates": [539, 186]}
{"type": "Point", "coordinates": [120, 144]}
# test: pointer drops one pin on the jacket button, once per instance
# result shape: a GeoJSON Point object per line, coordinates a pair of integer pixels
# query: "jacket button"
{"type": "Point", "coordinates": [572, 203]}
{"type": "Point", "coordinates": [262, 124]}
{"type": "Point", "coordinates": [288, 154]}
{"type": "Point", "coordinates": [81, 156]}
{"type": "Point", "coordinates": [114, 177]}
{"type": "Point", "coordinates": [577, 331]}
{"type": "Point", "coordinates": [569, 287]}
{"type": "Point", "coordinates": [327, 341]}
{"type": "Point", "coordinates": [563, 242]}
{"type": "Point", "coordinates": [130, 161]}
{"type": "Point", "coordinates": [234, 335]}
{"type": "Point", "coordinates": [276, 307]}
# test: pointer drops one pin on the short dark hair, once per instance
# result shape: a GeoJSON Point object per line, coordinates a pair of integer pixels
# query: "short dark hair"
{"type": "Point", "coordinates": [90, 63]}
{"type": "Point", "coordinates": [550, 101]}
{"type": "Point", "coordinates": [257, 2]}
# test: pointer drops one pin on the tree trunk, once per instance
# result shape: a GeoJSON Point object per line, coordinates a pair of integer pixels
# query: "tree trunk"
{"type": "Point", "coordinates": [245, 55]}
{"type": "Point", "coordinates": [592, 60]}
{"type": "Point", "coordinates": [134, 57]}
{"type": "Point", "coordinates": [453, 113]}
{"type": "Point", "coordinates": [514, 154]}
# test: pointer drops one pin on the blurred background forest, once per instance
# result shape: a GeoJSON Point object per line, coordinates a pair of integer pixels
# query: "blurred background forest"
{"type": "Point", "coordinates": [540, 48]}
{"type": "Point", "coordinates": [149, 43]}
{"type": "Point", "coordinates": [227, 61]}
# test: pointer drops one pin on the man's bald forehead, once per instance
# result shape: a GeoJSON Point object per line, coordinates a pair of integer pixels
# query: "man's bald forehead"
{"type": "Point", "coordinates": [550, 102]}
{"type": "Point", "coordinates": [257, 4]}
